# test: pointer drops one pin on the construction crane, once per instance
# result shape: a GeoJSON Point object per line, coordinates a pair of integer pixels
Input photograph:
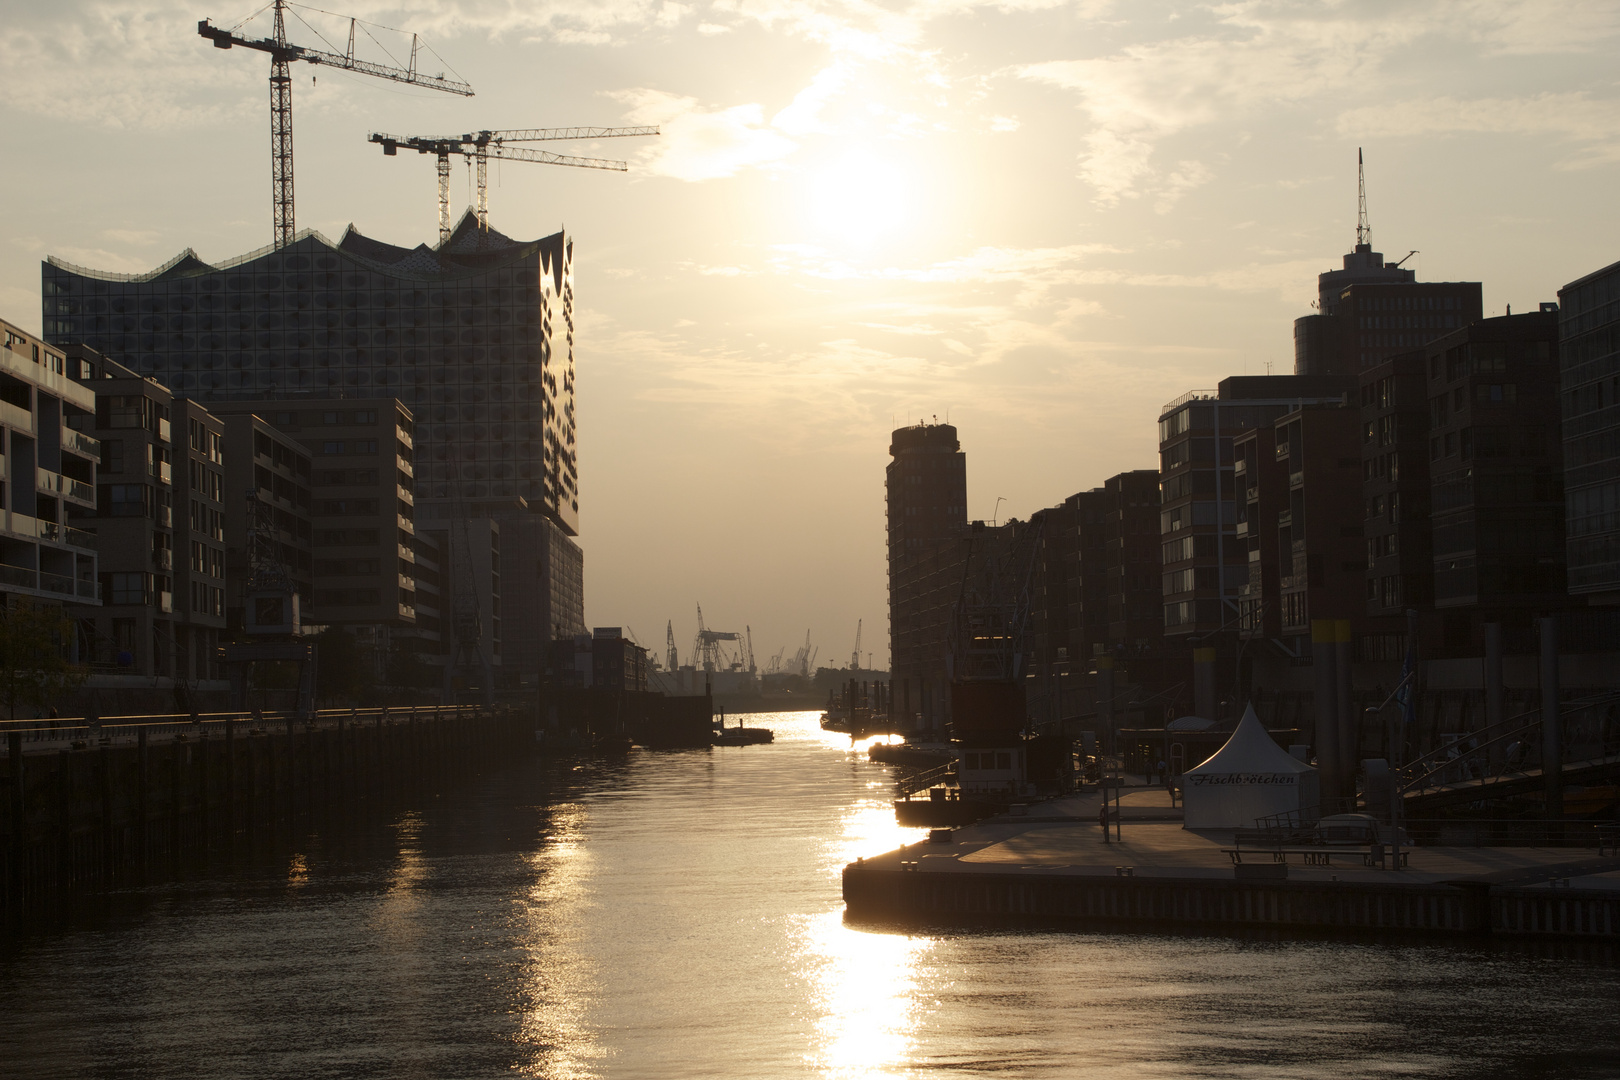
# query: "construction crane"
{"type": "Point", "coordinates": [801, 658]}
{"type": "Point", "coordinates": [672, 659]}
{"type": "Point", "coordinates": [282, 54]}
{"type": "Point", "coordinates": [706, 647]}
{"type": "Point", "coordinates": [748, 648]}
{"type": "Point", "coordinates": [480, 146]}
{"type": "Point", "coordinates": [855, 657]}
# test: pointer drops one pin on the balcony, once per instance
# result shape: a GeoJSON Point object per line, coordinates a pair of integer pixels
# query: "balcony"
{"type": "Point", "coordinates": [165, 600]}
{"type": "Point", "coordinates": [52, 483]}
{"type": "Point", "coordinates": [164, 431]}
{"type": "Point", "coordinates": [1240, 466]}
{"type": "Point", "coordinates": [165, 517]}
{"type": "Point", "coordinates": [79, 443]}
{"type": "Point", "coordinates": [161, 470]}
{"type": "Point", "coordinates": [1296, 479]}
{"type": "Point", "coordinates": [56, 583]}
{"type": "Point", "coordinates": [163, 559]}
{"type": "Point", "coordinates": [18, 576]}
{"type": "Point", "coordinates": [1282, 450]}
{"type": "Point", "coordinates": [1286, 517]}
{"type": "Point", "coordinates": [1241, 529]}
{"type": "Point", "coordinates": [88, 589]}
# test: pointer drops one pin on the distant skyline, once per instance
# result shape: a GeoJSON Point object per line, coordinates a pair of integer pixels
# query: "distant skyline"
{"type": "Point", "coordinates": [1043, 220]}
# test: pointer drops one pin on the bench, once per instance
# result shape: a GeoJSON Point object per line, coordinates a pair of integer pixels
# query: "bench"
{"type": "Point", "coordinates": [1317, 854]}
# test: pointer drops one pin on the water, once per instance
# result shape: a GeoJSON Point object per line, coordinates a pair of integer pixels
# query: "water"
{"type": "Point", "coordinates": [677, 915]}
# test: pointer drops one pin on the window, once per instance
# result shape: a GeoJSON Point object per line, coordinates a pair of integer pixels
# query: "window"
{"type": "Point", "coordinates": [341, 507]}
{"type": "Point", "coordinates": [127, 588]}
{"type": "Point", "coordinates": [112, 455]}
{"type": "Point", "coordinates": [125, 500]}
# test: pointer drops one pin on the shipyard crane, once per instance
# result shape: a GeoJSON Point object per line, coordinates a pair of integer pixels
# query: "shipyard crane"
{"type": "Point", "coordinates": [480, 146]}
{"type": "Point", "coordinates": [671, 657]}
{"type": "Point", "coordinates": [801, 658]}
{"type": "Point", "coordinates": [855, 657]}
{"type": "Point", "coordinates": [706, 648]}
{"type": "Point", "coordinates": [282, 54]}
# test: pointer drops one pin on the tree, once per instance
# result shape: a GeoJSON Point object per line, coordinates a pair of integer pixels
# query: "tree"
{"type": "Point", "coordinates": [35, 669]}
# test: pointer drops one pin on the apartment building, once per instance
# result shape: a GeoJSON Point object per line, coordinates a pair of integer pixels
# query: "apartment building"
{"type": "Point", "coordinates": [360, 489]}
{"type": "Point", "coordinates": [50, 469]}
{"type": "Point", "coordinates": [159, 525]}
{"type": "Point", "coordinates": [268, 508]}
{"type": "Point", "coordinates": [1589, 359]}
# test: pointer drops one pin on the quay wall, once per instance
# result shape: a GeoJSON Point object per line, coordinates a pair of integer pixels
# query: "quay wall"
{"type": "Point", "coordinates": [137, 800]}
{"type": "Point", "coordinates": [885, 894]}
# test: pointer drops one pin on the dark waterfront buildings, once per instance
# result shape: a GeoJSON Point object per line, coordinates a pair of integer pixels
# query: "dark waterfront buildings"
{"type": "Point", "coordinates": [50, 467]}
{"type": "Point", "coordinates": [474, 337]}
{"type": "Point", "coordinates": [1589, 356]}
{"type": "Point", "coordinates": [926, 485]}
{"type": "Point", "coordinates": [1496, 475]}
{"type": "Point", "coordinates": [160, 527]}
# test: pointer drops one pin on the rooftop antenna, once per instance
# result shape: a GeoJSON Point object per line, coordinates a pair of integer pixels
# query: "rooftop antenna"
{"type": "Point", "coordinates": [1363, 230]}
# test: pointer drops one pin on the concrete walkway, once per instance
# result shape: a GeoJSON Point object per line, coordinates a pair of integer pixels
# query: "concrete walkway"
{"type": "Point", "coordinates": [1062, 836]}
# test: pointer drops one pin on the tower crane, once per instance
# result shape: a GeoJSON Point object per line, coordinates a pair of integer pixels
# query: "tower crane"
{"type": "Point", "coordinates": [282, 55]}
{"type": "Point", "coordinates": [480, 146]}
{"type": "Point", "coordinates": [855, 657]}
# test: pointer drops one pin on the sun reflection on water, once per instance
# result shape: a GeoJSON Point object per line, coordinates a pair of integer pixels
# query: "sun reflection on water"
{"type": "Point", "coordinates": [561, 978]}
{"type": "Point", "coordinates": [864, 986]}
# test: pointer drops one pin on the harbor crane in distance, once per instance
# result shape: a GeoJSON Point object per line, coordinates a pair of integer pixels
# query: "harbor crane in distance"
{"type": "Point", "coordinates": [282, 54]}
{"type": "Point", "coordinates": [706, 648]}
{"type": "Point", "coordinates": [855, 657]}
{"type": "Point", "coordinates": [672, 659]}
{"type": "Point", "coordinates": [480, 146]}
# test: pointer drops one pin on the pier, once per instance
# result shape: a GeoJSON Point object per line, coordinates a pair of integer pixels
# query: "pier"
{"type": "Point", "coordinates": [128, 801]}
{"type": "Point", "coordinates": [1048, 864]}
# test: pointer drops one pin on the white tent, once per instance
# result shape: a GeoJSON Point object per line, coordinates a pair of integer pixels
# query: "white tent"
{"type": "Point", "coordinates": [1248, 778]}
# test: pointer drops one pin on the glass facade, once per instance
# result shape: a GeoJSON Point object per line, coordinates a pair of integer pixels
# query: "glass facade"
{"type": "Point", "coordinates": [1589, 357]}
{"type": "Point", "coordinates": [476, 337]}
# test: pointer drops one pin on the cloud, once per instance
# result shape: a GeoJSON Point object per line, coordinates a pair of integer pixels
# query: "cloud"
{"type": "Point", "coordinates": [1572, 117]}
{"type": "Point", "coordinates": [1264, 54]}
{"type": "Point", "coordinates": [704, 144]}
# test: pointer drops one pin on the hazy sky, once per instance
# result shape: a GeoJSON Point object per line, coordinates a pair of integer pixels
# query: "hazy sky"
{"type": "Point", "coordinates": [1042, 220]}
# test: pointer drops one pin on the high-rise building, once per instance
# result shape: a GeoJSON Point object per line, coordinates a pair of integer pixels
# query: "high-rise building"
{"type": "Point", "coordinates": [1589, 355]}
{"type": "Point", "coordinates": [1496, 504]}
{"type": "Point", "coordinates": [1204, 562]}
{"type": "Point", "coordinates": [1370, 310]}
{"type": "Point", "coordinates": [159, 525]}
{"type": "Point", "coordinates": [474, 336]}
{"type": "Point", "coordinates": [46, 420]}
{"type": "Point", "coordinates": [1300, 523]}
{"type": "Point", "coordinates": [926, 484]}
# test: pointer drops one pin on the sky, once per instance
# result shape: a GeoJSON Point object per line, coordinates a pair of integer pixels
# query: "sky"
{"type": "Point", "coordinates": [1039, 220]}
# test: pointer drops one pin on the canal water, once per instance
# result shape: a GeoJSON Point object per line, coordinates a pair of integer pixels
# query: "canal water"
{"type": "Point", "coordinates": [677, 914]}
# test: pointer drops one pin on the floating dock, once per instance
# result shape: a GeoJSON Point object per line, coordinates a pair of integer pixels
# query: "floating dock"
{"type": "Point", "coordinates": [1052, 867]}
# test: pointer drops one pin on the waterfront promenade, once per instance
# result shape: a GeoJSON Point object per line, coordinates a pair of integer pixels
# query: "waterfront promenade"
{"type": "Point", "coordinates": [1050, 863]}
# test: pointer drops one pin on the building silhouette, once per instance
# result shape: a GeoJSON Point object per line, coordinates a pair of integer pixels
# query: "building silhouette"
{"type": "Point", "coordinates": [1589, 356]}
{"type": "Point", "coordinates": [474, 337]}
{"type": "Point", "coordinates": [926, 486]}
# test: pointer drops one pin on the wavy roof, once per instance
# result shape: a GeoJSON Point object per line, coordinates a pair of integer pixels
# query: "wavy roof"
{"type": "Point", "coordinates": [466, 252]}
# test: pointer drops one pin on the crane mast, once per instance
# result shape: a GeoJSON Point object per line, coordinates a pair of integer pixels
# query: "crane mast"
{"type": "Point", "coordinates": [480, 146]}
{"type": "Point", "coordinates": [282, 55]}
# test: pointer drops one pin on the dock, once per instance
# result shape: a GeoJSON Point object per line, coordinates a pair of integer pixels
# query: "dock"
{"type": "Point", "coordinates": [1047, 864]}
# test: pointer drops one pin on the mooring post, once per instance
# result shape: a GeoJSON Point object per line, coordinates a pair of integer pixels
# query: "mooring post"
{"type": "Point", "coordinates": [230, 781]}
{"type": "Point", "coordinates": [1552, 760]}
{"type": "Point", "coordinates": [64, 820]}
{"type": "Point", "coordinates": [104, 781]}
{"type": "Point", "coordinates": [142, 804]}
{"type": "Point", "coordinates": [19, 809]}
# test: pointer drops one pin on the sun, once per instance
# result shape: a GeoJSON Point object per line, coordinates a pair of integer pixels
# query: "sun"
{"type": "Point", "coordinates": [862, 199]}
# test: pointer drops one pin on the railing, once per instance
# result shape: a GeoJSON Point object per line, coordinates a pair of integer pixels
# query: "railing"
{"type": "Point", "coordinates": [80, 443]}
{"type": "Point", "coordinates": [56, 583]}
{"type": "Point", "coordinates": [38, 736]}
{"type": "Point", "coordinates": [54, 483]}
{"type": "Point", "coordinates": [907, 786]}
{"type": "Point", "coordinates": [1191, 395]}
{"type": "Point", "coordinates": [165, 517]}
{"type": "Point", "coordinates": [1511, 747]}
{"type": "Point", "coordinates": [163, 559]}
{"type": "Point", "coordinates": [165, 602]}
{"type": "Point", "coordinates": [19, 576]}
{"type": "Point", "coordinates": [89, 589]}
{"type": "Point", "coordinates": [164, 430]}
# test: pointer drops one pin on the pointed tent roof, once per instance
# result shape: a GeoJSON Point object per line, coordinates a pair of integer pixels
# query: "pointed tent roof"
{"type": "Point", "coordinates": [1251, 749]}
